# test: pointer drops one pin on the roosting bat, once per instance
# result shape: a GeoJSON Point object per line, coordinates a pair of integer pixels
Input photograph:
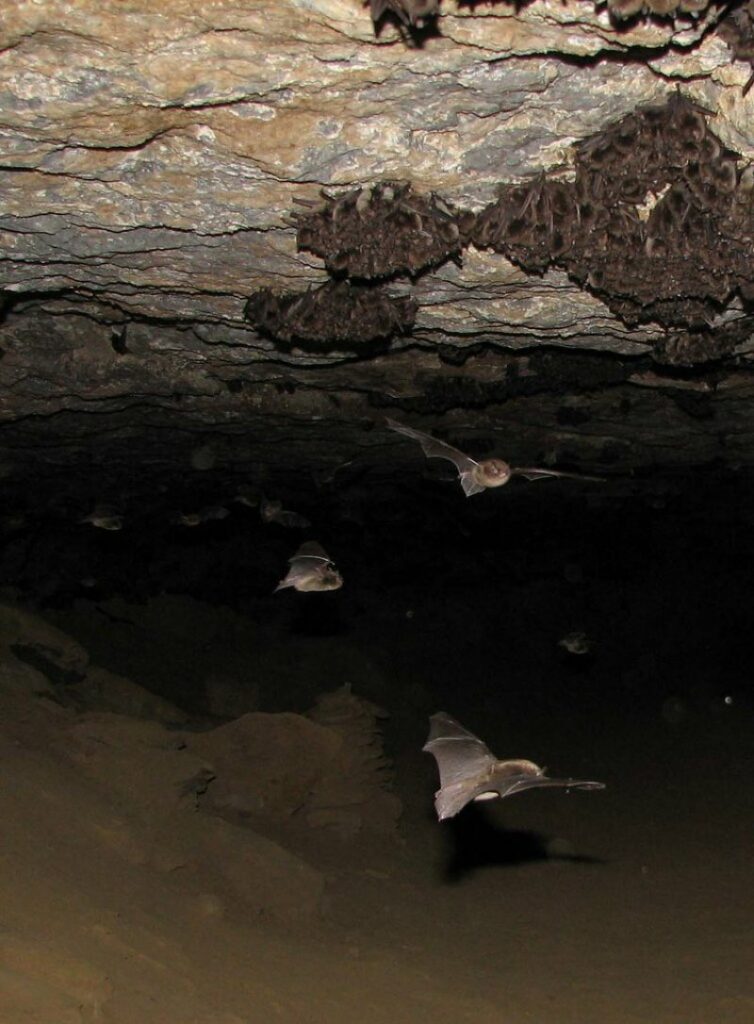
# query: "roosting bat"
{"type": "Point", "coordinates": [410, 12]}
{"type": "Point", "coordinates": [470, 771]}
{"type": "Point", "coordinates": [311, 569]}
{"type": "Point", "coordinates": [478, 476]}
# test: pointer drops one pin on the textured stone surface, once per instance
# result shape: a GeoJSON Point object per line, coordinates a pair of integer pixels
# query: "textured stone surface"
{"type": "Point", "coordinates": [150, 161]}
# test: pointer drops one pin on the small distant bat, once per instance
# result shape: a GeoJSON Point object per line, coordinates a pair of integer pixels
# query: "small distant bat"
{"type": "Point", "coordinates": [210, 512]}
{"type": "Point", "coordinates": [576, 643]}
{"type": "Point", "coordinates": [104, 517]}
{"type": "Point", "coordinates": [204, 515]}
{"type": "Point", "coordinates": [409, 12]}
{"type": "Point", "coordinates": [478, 476]}
{"type": "Point", "coordinates": [470, 771]}
{"type": "Point", "coordinates": [186, 519]}
{"type": "Point", "coordinates": [273, 512]}
{"type": "Point", "coordinates": [311, 570]}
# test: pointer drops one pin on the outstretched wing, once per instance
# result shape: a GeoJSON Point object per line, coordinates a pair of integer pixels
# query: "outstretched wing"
{"type": "Point", "coordinates": [535, 473]}
{"type": "Point", "coordinates": [310, 549]}
{"type": "Point", "coordinates": [465, 764]}
{"type": "Point", "coordinates": [434, 448]}
{"type": "Point", "coordinates": [511, 777]}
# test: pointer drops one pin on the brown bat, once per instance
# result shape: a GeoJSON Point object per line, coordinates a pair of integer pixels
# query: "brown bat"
{"type": "Point", "coordinates": [410, 12]}
{"type": "Point", "coordinates": [478, 476]}
{"type": "Point", "coordinates": [310, 570]}
{"type": "Point", "coordinates": [273, 512]}
{"type": "Point", "coordinates": [470, 771]}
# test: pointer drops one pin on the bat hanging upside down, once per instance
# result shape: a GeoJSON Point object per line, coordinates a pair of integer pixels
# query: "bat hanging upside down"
{"type": "Point", "coordinates": [478, 476]}
{"type": "Point", "coordinates": [470, 771]}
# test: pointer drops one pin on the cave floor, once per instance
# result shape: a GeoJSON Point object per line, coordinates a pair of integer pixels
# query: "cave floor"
{"type": "Point", "coordinates": [620, 907]}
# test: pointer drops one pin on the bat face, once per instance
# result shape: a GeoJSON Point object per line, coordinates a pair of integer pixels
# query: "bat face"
{"type": "Point", "coordinates": [311, 570]}
{"type": "Point", "coordinates": [469, 771]}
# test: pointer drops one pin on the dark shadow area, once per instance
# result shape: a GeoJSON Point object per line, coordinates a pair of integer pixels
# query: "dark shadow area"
{"type": "Point", "coordinates": [476, 842]}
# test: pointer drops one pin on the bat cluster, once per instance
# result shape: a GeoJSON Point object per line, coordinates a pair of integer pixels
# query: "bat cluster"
{"type": "Point", "coordinates": [737, 29]}
{"type": "Point", "coordinates": [623, 9]}
{"type": "Point", "coordinates": [409, 12]}
{"type": "Point", "coordinates": [658, 220]}
{"type": "Point", "coordinates": [366, 235]}
{"type": "Point", "coordinates": [379, 231]}
{"type": "Point", "coordinates": [694, 348]}
{"type": "Point", "coordinates": [337, 314]}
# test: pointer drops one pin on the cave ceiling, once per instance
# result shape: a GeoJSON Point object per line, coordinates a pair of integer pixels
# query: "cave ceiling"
{"type": "Point", "coordinates": [234, 237]}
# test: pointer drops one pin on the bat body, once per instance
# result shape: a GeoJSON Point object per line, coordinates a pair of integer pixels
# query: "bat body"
{"type": "Point", "coordinates": [478, 476]}
{"type": "Point", "coordinates": [576, 643]}
{"type": "Point", "coordinates": [311, 570]}
{"type": "Point", "coordinates": [104, 517]}
{"type": "Point", "coordinates": [470, 771]}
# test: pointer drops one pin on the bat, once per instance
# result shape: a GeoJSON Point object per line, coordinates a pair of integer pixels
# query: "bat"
{"type": "Point", "coordinates": [410, 12]}
{"type": "Point", "coordinates": [204, 515]}
{"type": "Point", "coordinates": [576, 643]}
{"type": "Point", "coordinates": [478, 476]}
{"type": "Point", "coordinates": [273, 512]}
{"type": "Point", "coordinates": [310, 570]}
{"type": "Point", "coordinates": [105, 518]}
{"type": "Point", "coordinates": [470, 771]}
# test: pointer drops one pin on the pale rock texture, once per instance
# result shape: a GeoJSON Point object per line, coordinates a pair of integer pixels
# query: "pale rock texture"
{"type": "Point", "coordinates": [152, 154]}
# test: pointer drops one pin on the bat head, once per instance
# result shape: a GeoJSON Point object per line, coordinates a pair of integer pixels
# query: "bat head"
{"type": "Point", "coordinates": [492, 473]}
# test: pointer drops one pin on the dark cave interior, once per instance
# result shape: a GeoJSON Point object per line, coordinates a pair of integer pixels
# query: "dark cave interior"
{"type": "Point", "coordinates": [228, 316]}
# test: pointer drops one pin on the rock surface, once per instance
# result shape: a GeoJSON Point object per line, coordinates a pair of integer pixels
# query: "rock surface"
{"type": "Point", "coordinates": [152, 159]}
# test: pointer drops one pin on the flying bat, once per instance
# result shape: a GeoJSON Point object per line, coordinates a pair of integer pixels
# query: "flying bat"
{"type": "Point", "coordinates": [478, 476]}
{"type": "Point", "coordinates": [470, 771]}
{"type": "Point", "coordinates": [311, 569]}
{"type": "Point", "coordinates": [273, 512]}
{"type": "Point", "coordinates": [105, 517]}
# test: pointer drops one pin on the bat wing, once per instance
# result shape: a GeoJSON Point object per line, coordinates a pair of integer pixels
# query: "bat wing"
{"type": "Point", "coordinates": [465, 764]}
{"type": "Point", "coordinates": [436, 449]}
{"type": "Point", "coordinates": [311, 549]}
{"type": "Point", "coordinates": [516, 776]}
{"type": "Point", "coordinates": [534, 473]}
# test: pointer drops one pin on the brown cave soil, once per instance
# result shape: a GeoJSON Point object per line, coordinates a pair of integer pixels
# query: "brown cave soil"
{"type": "Point", "coordinates": [622, 907]}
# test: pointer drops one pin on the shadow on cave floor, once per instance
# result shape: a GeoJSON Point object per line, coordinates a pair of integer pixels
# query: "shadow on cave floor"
{"type": "Point", "coordinates": [475, 842]}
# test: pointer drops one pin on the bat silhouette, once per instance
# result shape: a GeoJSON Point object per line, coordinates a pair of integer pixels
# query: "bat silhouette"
{"type": "Point", "coordinates": [273, 512]}
{"type": "Point", "coordinates": [311, 569]}
{"type": "Point", "coordinates": [470, 771]}
{"type": "Point", "coordinates": [478, 476]}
